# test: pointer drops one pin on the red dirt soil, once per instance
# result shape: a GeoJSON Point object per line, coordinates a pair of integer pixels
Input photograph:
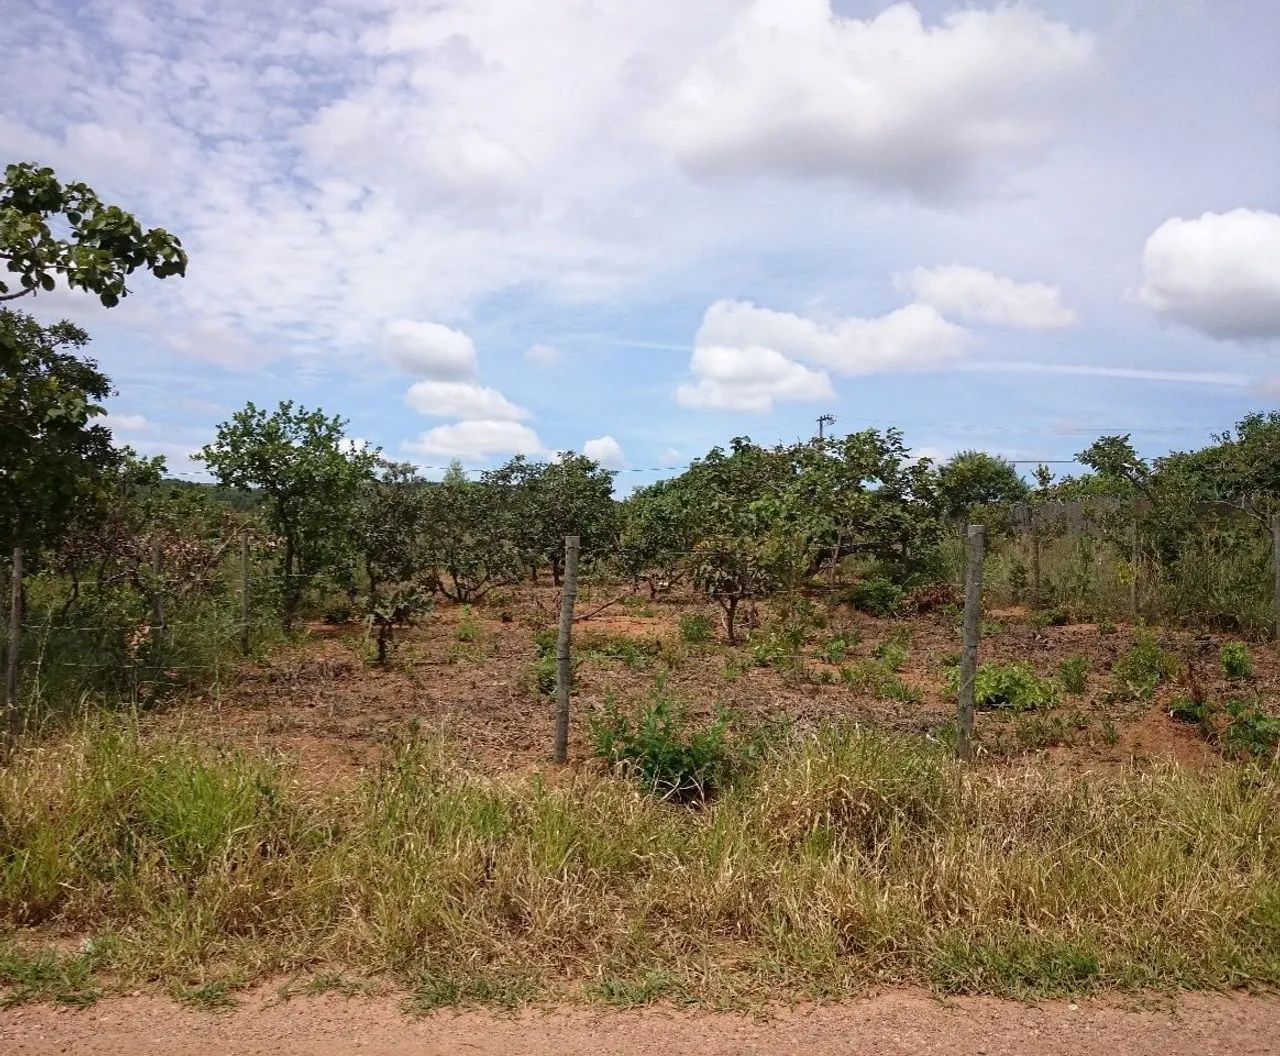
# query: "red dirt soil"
{"type": "Point", "coordinates": [904, 1022]}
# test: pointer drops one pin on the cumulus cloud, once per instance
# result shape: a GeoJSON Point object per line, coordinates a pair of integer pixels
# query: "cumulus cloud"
{"type": "Point", "coordinates": [794, 89]}
{"type": "Point", "coordinates": [461, 399]}
{"type": "Point", "coordinates": [605, 450]}
{"type": "Point", "coordinates": [749, 378]}
{"type": "Point", "coordinates": [1218, 274]}
{"type": "Point", "coordinates": [477, 439]}
{"type": "Point", "coordinates": [981, 297]}
{"type": "Point", "coordinates": [543, 355]}
{"type": "Point", "coordinates": [914, 337]}
{"type": "Point", "coordinates": [430, 349]}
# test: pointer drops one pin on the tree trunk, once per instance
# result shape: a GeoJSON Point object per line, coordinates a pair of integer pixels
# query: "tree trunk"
{"type": "Point", "coordinates": [290, 590]}
{"type": "Point", "coordinates": [730, 614]}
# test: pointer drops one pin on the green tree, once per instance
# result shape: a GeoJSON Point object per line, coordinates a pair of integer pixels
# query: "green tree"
{"type": "Point", "coordinates": [392, 520]}
{"type": "Point", "coordinates": [470, 546]}
{"type": "Point", "coordinates": [52, 454]}
{"type": "Point", "coordinates": [973, 479]}
{"type": "Point", "coordinates": [311, 476]}
{"type": "Point", "coordinates": [49, 230]}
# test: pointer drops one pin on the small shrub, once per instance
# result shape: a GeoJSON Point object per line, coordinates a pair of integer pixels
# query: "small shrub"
{"type": "Point", "coordinates": [543, 675]}
{"type": "Point", "coordinates": [1144, 667]}
{"type": "Point", "coordinates": [836, 649]}
{"type": "Point", "coordinates": [892, 653]}
{"type": "Point", "coordinates": [468, 629]}
{"type": "Point", "coordinates": [633, 652]}
{"type": "Point", "coordinates": [659, 745]}
{"type": "Point", "coordinates": [874, 676]}
{"type": "Point", "coordinates": [1189, 710]}
{"type": "Point", "coordinates": [876, 597]}
{"type": "Point", "coordinates": [696, 628]}
{"type": "Point", "coordinates": [1237, 663]}
{"type": "Point", "coordinates": [1250, 732]}
{"type": "Point", "coordinates": [1074, 673]}
{"type": "Point", "coordinates": [1015, 686]}
{"type": "Point", "coordinates": [1055, 617]}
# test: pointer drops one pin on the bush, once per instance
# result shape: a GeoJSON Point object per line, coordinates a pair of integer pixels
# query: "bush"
{"type": "Point", "coordinates": [836, 649]}
{"type": "Point", "coordinates": [1074, 673]}
{"type": "Point", "coordinates": [658, 744]}
{"type": "Point", "coordinates": [876, 597]}
{"type": "Point", "coordinates": [696, 628]}
{"type": "Point", "coordinates": [1250, 732]}
{"type": "Point", "coordinates": [1015, 686]}
{"type": "Point", "coordinates": [875, 677]}
{"type": "Point", "coordinates": [1143, 668]}
{"type": "Point", "coordinates": [1237, 663]}
{"type": "Point", "coordinates": [892, 653]}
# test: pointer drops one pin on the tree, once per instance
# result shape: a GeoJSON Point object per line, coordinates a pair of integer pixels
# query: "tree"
{"type": "Point", "coordinates": [311, 476]}
{"type": "Point", "coordinates": [104, 245]}
{"type": "Point", "coordinates": [52, 454]}
{"type": "Point", "coordinates": [972, 479]}
{"type": "Point", "coordinates": [390, 526]}
{"type": "Point", "coordinates": [542, 502]}
{"type": "Point", "coordinates": [470, 546]}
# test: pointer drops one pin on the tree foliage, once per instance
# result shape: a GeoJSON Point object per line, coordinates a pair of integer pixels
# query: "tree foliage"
{"type": "Point", "coordinates": [311, 477]}
{"type": "Point", "coordinates": [52, 452]}
{"type": "Point", "coordinates": [102, 247]}
{"type": "Point", "coordinates": [972, 479]}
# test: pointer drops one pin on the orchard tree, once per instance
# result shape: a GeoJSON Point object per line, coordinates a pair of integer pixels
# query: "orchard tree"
{"type": "Point", "coordinates": [311, 476]}
{"type": "Point", "coordinates": [973, 479]}
{"type": "Point", "coordinates": [469, 550]}
{"type": "Point", "coordinates": [50, 230]}
{"type": "Point", "coordinates": [52, 453]}
{"type": "Point", "coordinates": [392, 520]}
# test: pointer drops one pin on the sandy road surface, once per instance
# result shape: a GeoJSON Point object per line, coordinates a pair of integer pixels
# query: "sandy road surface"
{"type": "Point", "coordinates": [897, 1022]}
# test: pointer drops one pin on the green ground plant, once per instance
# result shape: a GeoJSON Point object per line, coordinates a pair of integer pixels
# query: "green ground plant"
{"type": "Point", "coordinates": [838, 859]}
{"type": "Point", "coordinates": [1236, 660]}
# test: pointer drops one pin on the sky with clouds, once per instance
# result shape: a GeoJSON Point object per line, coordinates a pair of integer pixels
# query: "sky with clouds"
{"type": "Point", "coordinates": [485, 227]}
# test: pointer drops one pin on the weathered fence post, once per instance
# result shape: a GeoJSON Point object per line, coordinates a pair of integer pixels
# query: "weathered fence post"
{"type": "Point", "coordinates": [969, 651]}
{"type": "Point", "coordinates": [244, 593]}
{"type": "Point", "coordinates": [564, 664]}
{"type": "Point", "coordinates": [1135, 556]}
{"type": "Point", "coordinates": [157, 586]}
{"type": "Point", "coordinates": [1036, 596]}
{"type": "Point", "coordinates": [1275, 570]}
{"type": "Point", "coordinates": [12, 705]}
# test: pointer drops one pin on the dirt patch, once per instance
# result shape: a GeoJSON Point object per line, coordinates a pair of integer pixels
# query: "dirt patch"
{"type": "Point", "coordinates": [904, 1022]}
{"type": "Point", "coordinates": [468, 671]}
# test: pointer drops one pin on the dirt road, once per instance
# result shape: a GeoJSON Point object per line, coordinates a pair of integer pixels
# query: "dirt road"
{"type": "Point", "coordinates": [897, 1022]}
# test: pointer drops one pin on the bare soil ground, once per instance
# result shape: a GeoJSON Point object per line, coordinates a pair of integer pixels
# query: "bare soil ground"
{"type": "Point", "coordinates": [896, 1022]}
{"type": "Point", "coordinates": [331, 713]}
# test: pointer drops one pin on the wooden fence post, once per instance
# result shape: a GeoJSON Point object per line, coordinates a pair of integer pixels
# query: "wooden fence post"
{"type": "Point", "coordinates": [1133, 550]}
{"type": "Point", "coordinates": [157, 586]}
{"type": "Point", "coordinates": [244, 593]}
{"type": "Point", "coordinates": [1036, 596]}
{"type": "Point", "coordinates": [12, 705]}
{"type": "Point", "coordinates": [564, 662]}
{"type": "Point", "coordinates": [1275, 571]}
{"type": "Point", "coordinates": [969, 652]}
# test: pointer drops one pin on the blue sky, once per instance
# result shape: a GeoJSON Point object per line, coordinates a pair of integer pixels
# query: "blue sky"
{"type": "Point", "coordinates": [493, 226]}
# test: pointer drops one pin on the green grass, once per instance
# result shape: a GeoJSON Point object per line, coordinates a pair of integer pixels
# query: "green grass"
{"type": "Point", "coordinates": [829, 861]}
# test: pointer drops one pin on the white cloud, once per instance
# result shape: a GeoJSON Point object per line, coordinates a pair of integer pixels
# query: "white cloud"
{"type": "Point", "coordinates": [793, 89]}
{"type": "Point", "coordinates": [477, 439]}
{"type": "Point", "coordinates": [543, 355]}
{"type": "Point", "coordinates": [1222, 378]}
{"type": "Point", "coordinates": [1219, 274]}
{"type": "Point", "coordinates": [129, 423]}
{"type": "Point", "coordinates": [981, 297]}
{"type": "Point", "coordinates": [430, 349]}
{"type": "Point", "coordinates": [670, 457]}
{"type": "Point", "coordinates": [605, 450]}
{"type": "Point", "coordinates": [749, 378]}
{"type": "Point", "coordinates": [460, 399]}
{"type": "Point", "coordinates": [915, 337]}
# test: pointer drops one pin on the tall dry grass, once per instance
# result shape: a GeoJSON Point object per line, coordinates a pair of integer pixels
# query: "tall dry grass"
{"type": "Point", "coordinates": [835, 861]}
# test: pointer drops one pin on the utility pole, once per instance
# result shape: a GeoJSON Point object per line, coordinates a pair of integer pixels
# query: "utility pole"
{"type": "Point", "coordinates": [823, 421]}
